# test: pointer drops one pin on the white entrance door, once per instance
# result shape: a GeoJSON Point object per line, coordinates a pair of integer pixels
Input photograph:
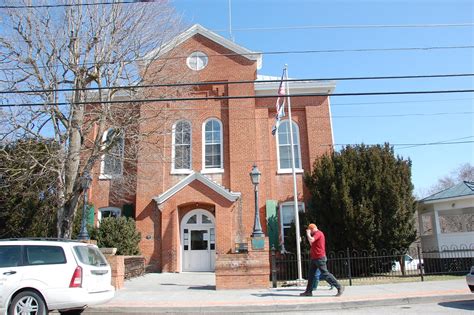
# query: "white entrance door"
{"type": "Point", "coordinates": [198, 241]}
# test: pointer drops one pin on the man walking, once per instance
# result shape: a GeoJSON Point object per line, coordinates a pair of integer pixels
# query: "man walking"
{"type": "Point", "coordinates": [318, 261]}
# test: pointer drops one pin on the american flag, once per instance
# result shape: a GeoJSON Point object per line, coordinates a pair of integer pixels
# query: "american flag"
{"type": "Point", "coordinates": [280, 103]}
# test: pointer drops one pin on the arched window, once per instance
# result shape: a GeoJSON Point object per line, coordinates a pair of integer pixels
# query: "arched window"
{"type": "Point", "coordinates": [182, 146]}
{"type": "Point", "coordinates": [284, 146]}
{"type": "Point", "coordinates": [112, 161]}
{"type": "Point", "coordinates": [212, 142]}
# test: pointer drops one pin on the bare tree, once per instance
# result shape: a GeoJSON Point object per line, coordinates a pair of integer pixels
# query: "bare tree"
{"type": "Point", "coordinates": [65, 68]}
{"type": "Point", "coordinates": [465, 172]}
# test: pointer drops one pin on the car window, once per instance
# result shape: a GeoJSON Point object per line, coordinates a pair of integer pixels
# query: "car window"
{"type": "Point", "coordinates": [90, 255]}
{"type": "Point", "coordinates": [41, 255]}
{"type": "Point", "coordinates": [10, 256]}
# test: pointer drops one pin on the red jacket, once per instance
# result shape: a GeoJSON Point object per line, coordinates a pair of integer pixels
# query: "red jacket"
{"type": "Point", "coordinates": [318, 248]}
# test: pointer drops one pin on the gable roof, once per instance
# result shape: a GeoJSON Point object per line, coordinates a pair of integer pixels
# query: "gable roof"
{"type": "Point", "coordinates": [199, 29]}
{"type": "Point", "coordinates": [229, 195]}
{"type": "Point", "coordinates": [460, 190]}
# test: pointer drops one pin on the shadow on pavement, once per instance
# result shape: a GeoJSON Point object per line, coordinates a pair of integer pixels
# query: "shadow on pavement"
{"type": "Point", "coordinates": [460, 305]}
{"type": "Point", "coordinates": [203, 287]}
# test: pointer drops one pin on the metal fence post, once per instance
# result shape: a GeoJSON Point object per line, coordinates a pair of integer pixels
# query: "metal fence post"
{"type": "Point", "coordinates": [420, 259]}
{"type": "Point", "coordinates": [349, 266]}
{"type": "Point", "coordinates": [273, 266]}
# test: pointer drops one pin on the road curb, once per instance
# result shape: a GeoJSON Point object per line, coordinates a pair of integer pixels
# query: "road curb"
{"type": "Point", "coordinates": [279, 308]}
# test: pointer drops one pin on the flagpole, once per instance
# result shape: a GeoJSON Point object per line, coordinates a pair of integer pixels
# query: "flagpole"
{"type": "Point", "coordinates": [295, 190]}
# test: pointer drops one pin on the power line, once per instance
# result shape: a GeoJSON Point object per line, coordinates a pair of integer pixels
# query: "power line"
{"type": "Point", "coordinates": [407, 144]}
{"type": "Point", "coordinates": [304, 27]}
{"type": "Point", "coordinates": [403, 102]}
{"type": "Point", "coordinates": [82, 4]}
{"type": "Point", "coordinates": [219, 98]}
{"type": "Point", "coordinates": [286, 52]}
{"type": "Point", "coordinates": [241, 82]}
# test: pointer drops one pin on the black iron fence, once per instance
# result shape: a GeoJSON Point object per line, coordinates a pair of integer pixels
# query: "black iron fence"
{"type": "Point", "coordinates": [353, 264]}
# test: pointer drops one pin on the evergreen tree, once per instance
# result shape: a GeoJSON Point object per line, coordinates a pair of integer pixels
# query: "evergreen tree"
{"type": "Point", "coordinates": [362, 198]}
{"type": "Point", "coordinates": [27, 189]}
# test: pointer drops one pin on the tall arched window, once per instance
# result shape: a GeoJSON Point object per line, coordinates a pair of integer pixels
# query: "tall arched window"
{"type": "Point", "coordinates": [182, 146]}
{"type": "Point", "coordinates": [284, 146]}
{"type": "Point", "coordinates": [112, 161]}
{"type": "Point", "coordinates": [212, 142]}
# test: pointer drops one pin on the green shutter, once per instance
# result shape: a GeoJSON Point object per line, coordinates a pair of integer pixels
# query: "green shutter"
{"type": "Point", "coordinates": [90, 215]}
{"type": "Point", "coordinates": [272, 223]}
{"type": "Point", "coordinates": [127, 211]}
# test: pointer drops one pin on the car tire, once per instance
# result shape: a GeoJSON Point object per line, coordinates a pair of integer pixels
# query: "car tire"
{"type": "Point", "coordinates": [72, 312]}
{"type": "Point", "coordinates": [28, 302]}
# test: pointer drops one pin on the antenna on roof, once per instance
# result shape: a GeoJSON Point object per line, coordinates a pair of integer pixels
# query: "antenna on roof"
{"type": "Point", "coordinates": [230, 21]}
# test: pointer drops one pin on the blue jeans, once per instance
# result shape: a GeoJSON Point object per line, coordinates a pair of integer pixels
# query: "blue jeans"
{"type": "Point", "coordinates": [320, 264]}
{"type": "Point", "coordinates": [317, 278]}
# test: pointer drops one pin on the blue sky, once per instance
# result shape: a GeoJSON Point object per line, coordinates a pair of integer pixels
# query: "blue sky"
{"type": "Point", "coordinates": [412, 119]}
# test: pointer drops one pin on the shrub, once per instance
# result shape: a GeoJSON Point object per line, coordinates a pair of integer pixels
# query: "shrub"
{"type": "Point", "coordinates": [120, 233]}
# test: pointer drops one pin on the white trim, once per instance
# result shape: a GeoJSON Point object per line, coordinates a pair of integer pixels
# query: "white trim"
{"type": "Point", "coordinates": [288, 170]}
{"type": "Point", "coordinates": [298, 87]}
{"type": "Point", "coordinates": [199, 29]}
{"type": "Point", "coordinates": [229, 195]}
{"type": "Point", "coordinates": [102, 175]}
{"type": "Point", "coordinates": [427, 202]}
{"type": "Point", "coordinates": [203, 137]}
{"type": "Point", "coordinates": [212, 171]}
{"type": "Point", "coordinates": [173, 145]}
{"type": "Point", "coordinates": [116, 210]}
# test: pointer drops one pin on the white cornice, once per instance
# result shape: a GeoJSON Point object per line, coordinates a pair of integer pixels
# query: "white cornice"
{"type": "Point", "coordinates": [300, 87]}
{"type": "Point", "coordinates": [229, 195]}
{"type": "Point", "coordinates": [199, 29]}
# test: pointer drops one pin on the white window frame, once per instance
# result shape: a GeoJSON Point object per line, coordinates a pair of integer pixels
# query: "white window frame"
{"type": "Point", "coordinates": [296, 142]}
{"type": "Point", "coordinates": [220, 169]}
{"type": "Point", "coordinates": [195, 57]}
{"type": "Point", "coordinates": [290, 204]}
{"type": "Point", "coordinates": [102, 174]}
{"type": "Point", "coordinates": [173, 145]}
{"type": "Point", "coordinates": [117, 211]}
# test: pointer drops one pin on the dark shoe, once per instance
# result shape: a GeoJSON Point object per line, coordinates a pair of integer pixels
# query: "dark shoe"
{"type": "Point", "coordinates": [306, 294]}
{"type": "Point", "coordinates": [340, 291]}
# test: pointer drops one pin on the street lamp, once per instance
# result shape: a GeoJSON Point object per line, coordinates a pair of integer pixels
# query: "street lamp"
{"type": "Point", "coordinates": [255, 177]}
{"type": "Point", "coordinates": [86, 181]}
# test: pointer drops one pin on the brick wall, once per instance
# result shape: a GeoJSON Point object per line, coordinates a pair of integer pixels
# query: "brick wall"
{"type": "Point", "coordinates": [244, 270]}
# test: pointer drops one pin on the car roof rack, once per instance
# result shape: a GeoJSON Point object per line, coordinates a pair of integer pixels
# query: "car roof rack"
{"type": "Point", "coordinates": [57, 239]}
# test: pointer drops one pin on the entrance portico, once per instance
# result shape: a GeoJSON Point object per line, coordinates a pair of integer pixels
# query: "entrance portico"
{"type": "Point", "coordinates": [197, 219]}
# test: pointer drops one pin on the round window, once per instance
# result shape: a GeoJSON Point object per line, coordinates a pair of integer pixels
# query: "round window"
{"type": "Point", "coordinates": [197, 61]}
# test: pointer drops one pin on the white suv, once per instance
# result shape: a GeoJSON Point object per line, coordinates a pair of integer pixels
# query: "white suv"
{"type": "Point", "coordinates": [37, 276]}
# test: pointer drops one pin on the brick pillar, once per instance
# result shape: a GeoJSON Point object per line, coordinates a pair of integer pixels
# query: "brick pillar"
{"type": "Point", "coordinates": [117, 264]}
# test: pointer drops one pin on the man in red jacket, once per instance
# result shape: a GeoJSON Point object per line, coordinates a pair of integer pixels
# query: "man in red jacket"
{"type": "Point", "coordinates": [318, 261]}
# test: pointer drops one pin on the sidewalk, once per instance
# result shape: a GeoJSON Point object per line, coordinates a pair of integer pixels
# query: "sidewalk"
{"type": "Point", "coordinates": [195, 292]}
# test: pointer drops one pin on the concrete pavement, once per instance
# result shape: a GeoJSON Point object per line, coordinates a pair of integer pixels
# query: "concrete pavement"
{"type": "Point", "coordinates": [195, 292]}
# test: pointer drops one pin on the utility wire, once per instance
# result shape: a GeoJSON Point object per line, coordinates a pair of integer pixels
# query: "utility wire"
{"type": "Point", "coordinates": [257, 82]}
{"type": "Point", "coordinates": [305, 27]}
{"type": "Point", "coordinates": [219, 98]}
{"type": "Point", "coordinates": [82, 4]}
{"type": "Point", "coordinates": [279, 53]}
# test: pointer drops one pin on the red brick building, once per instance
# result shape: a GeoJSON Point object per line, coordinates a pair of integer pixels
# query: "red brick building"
{"type": "Point", "coordinates": [196, 200]}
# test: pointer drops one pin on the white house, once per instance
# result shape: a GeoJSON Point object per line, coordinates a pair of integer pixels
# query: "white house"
{"type": "Point", "coordinates": [446, 220]}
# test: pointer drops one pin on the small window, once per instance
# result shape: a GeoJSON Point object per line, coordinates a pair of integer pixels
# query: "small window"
{"type": "Point", "coordinates": [90, 256]}
{"type": "Point", "coordinates": [192, 220]}
{"type": "Point", "coordinates": [112, 160]}
{"type": "Point", "coordinates": [213, 151]}
{"type": "Point", "coordinates": [206, 220]}
{"type": "Point", "coordinates": [287, 217]}
{"type": "Point", "coordinates": [10, 256]}
{"type": "Point", "coordinates": [44, 255]}
{"type": "Point", "coordinates": [182, 146]}
{"type": "Point", "coordinates": [284, 146]}
{"type": "Point", "coordinates": [197, 60]}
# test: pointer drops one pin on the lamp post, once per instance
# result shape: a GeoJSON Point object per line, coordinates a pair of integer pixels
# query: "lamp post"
{"type": "Point", "coordinates": [86, 181]}
{"type": "Point", "coordinates": [255, 177]}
